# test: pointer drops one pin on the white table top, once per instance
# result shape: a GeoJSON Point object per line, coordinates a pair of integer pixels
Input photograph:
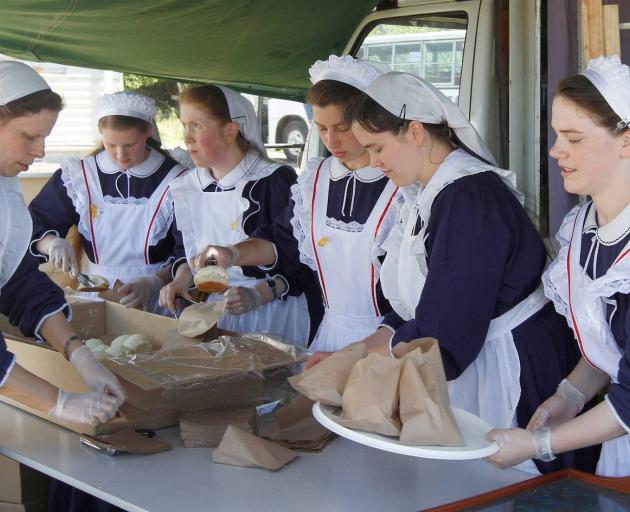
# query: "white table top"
{"type": "Point", "coordinates": [344, 477]}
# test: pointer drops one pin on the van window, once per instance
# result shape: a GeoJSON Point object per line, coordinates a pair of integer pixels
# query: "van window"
{"type": "Point", "coordinates": [431, 47]}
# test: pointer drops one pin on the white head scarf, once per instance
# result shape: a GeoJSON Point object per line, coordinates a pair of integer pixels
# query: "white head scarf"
{"type": "Point", "coordinates": [612, 80]}
{"type": "Point", "coordinates": [128, 104]}
{"type": "Point", "coordinates": [355, 72]}
{"type": "Point", "coordinates": [242, 112]}
{"type": "Point", "coordinates": [414, 99]}
{"type": "Point", "coordinates": [18, 80]}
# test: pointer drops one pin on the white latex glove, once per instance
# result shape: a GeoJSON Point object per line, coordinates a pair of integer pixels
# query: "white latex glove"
{"type": "Point", "coordinates": [560, 407]}
{"type": "Point", "coordinates": [91, 408]}
{"type": "Point", "coordinates": [139, 291]}
{"type": "Point", "coordinates": [241, 299]}
{"type": "Point", "coordinates": [61, 255]}
{"type": "Point", "coordinates": [515, 446]}
{"type": "Point", "coordinates": [225, 257]}
{"type": "Point", "coordinates": [96, 376]}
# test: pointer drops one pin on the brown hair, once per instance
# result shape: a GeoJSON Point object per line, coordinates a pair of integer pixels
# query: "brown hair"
{"type": "Point", "coordinates": [209, 97]}
{"type": "Point", "coordinates": [117, 122]}
{"type": "Point", "coordinates": [376, 119]}
{"type": "Point", "coordinates": [331, 92]}
{"type": "Point", "coordinates": [31, 104]}
{"type": "Point", "coordinates": [584, 94]}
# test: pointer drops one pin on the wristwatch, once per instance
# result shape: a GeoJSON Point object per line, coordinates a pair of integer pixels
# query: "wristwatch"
{"type": "Point", "coordinates": [273, 286]}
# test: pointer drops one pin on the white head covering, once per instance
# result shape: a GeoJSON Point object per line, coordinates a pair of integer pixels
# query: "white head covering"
{"type": "Point", "coordinates": [355, 72]}
{"type": "Point", "coordinates": [412, 98]}
{"type": "Point", "coordinates": [126, 103]}
{"type": "Point", "coordinates": [242, 112]}
{"type": "Point", "coordinates": [18, 80]}
{"type": "Point", "coordinates": [612, 80]}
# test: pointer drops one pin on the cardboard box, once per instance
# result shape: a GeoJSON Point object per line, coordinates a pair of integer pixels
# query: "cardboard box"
{"type": "Point", "coordinates": [146, 407]}
{"type": "Point", "coordinates": [19, 483]}
{"type": "Point", "coordinates": [38, 505]}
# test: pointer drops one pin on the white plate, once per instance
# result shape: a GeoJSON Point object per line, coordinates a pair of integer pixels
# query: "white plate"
{"type": "Point", "coordinates": [473, 430]}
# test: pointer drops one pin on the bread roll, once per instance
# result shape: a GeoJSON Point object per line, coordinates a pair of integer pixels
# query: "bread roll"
{"type": "Point", "coordinates": [212, 279]}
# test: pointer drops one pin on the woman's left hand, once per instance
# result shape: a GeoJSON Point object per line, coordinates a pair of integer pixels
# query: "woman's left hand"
{"type": "Point", "coordinates": [515, 446]}
{"type": "Point", "coordinates": [242, 299]}
{"type": "Point", "coordinates": [138, 291]}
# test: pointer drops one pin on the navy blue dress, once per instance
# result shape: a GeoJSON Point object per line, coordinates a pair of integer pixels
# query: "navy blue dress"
{"type": "Point", "coordinates": [484, 257]}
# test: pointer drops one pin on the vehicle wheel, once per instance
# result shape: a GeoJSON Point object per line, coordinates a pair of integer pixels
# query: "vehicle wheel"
{"type": "Point", "coordinates": [294, 132]}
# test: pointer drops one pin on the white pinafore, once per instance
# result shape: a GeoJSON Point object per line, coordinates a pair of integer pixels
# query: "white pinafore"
{"type": "Point", "coordinates": [345, 260]}
{"type": "Point", "coordinates": [121, 230]}
{"type": "Point", "coordinates": [582, 300]}
{"type": "Point", "coordinates": [216, 218]}
{"type": "Point", "coordinates": [490, 386]}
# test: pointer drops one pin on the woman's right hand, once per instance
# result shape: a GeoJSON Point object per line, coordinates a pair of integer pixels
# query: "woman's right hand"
{"type": "Point", "coordinates": [223, 256]}
{"type": "Point", "coordinates": [91, 408]}
{"type": "Point", "coordinates": [171, 291]}
{"type": "Point", "coordinates": [60, 254]}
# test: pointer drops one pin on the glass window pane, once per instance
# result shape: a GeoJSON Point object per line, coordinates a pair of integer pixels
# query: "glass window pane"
{"type": "Point", "coordinates": [430, 46]}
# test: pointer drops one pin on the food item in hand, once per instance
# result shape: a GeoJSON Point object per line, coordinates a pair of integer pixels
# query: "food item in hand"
{"type": "Point", "coordinates": [212, 279]}
{"type": "Point", "coordinates": [100, 284]}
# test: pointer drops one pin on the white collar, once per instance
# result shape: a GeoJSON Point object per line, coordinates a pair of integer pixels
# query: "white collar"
{"type": "Point", "coordinates": [611, 233]}
{"type": "Point", "coordinates": [145, 169]}
{"type": "Point", "coordinates": [365, 174]}
{"type": "Point", "coordinates": [242, 169]}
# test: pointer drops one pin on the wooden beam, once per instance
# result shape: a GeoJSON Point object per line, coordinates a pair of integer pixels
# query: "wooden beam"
{"type": "Point", "coordinates": [592, 29]}
{"type": "Point", "coordinates": [612, 38]}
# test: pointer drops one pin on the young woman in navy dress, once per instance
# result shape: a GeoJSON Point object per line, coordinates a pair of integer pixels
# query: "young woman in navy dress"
{"type": "Point", "coordinates": [234, 189]}
{"type": "Point", "coordinates": [31, 301]}
{"type": "Point", "coordinates": [464, 261]}
{"type": "Point", "coordinates": [118, 200]}
{"type": "Point", "coordinates": [589, 281]}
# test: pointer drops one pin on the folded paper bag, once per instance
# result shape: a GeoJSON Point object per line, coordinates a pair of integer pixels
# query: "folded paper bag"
{"type": "Point", "coordinates": [239, 448]}
{"type": "Point", "coordinates": [370, 399]}
{"type": "Point", "coordinates": [426, 417]}
{"type": "Point", "coordinates": [199, 318]}
{"type": "Point", "coordinates": [326, 381]}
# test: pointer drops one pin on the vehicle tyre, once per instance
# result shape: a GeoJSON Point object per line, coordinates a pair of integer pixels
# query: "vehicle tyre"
{"type": "Point", "coordinates": [294, 132]}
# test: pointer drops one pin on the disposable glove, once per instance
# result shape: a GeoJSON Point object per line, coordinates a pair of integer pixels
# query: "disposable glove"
{"type": "Point", "coordinates": [225, 257]}
{"type": "Point", "coordinates": [96, 376]}
{"type": "Point", "coordinates": [61, 255]}
{"type": "Point", "coordinates": [560, 407]}
{"type": "Point", "coordinates": [139, 291]}
{"type": "Point", "coordinates": [91, 408]}
{"type": "Point", "coordinates": [241, 299]}
{"type": "Point", "coordinates": [515, 446]}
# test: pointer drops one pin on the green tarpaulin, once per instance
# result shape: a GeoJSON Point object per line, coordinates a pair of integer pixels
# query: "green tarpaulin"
{"type": "Point", "coordinates": [265, 46]}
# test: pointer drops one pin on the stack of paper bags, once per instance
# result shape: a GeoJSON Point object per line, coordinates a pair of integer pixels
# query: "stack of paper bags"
{"type": "Point", "coordinates": [405, 395]}
{"type": "Point", "coordinates": [205, 429]}
{"type": "Point", "coordinates": [295, 427]}
{"type": "Point", "coordinates": [240, 448]}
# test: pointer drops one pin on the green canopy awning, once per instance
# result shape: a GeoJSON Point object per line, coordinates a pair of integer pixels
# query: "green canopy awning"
{"type": "Point", "coordinates": [264, 46]}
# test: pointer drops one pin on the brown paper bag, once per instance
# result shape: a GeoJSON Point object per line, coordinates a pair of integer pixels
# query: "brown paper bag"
{"type": "Point", "coordinates": [370, 399]}
{"type": "Point", "coordinates": [239, 448]}
{"type": "Point", "coordinates": [326, 381]}
{"type": "Point", "coordinates": [425, 412]}
{"type": "Point", "coordinates": [294, 423]}
{"type": "Point", "coordinates": [205, 429]}
{"type": "Point", "coordinates": [199, 318]}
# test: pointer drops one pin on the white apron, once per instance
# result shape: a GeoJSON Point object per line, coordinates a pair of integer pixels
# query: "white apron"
{"type": "Point", "coordinates": [16, 228]}
{"type": "Point", "coordinates": [206, 218]}
{"type": "Point", "coordinates": [345, 268]}
{"type": "Point", "coordinates": [586, 312]}
{"type": "Point", "coordinates": [490, 386]}
{"type": "Point", "coordinates": [122, 231]}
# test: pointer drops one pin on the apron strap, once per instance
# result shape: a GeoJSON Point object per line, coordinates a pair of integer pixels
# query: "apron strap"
{"type": "Point", "coordinates": [319, 267]}
{"type": "Point", "coordinates": [89, 193]}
